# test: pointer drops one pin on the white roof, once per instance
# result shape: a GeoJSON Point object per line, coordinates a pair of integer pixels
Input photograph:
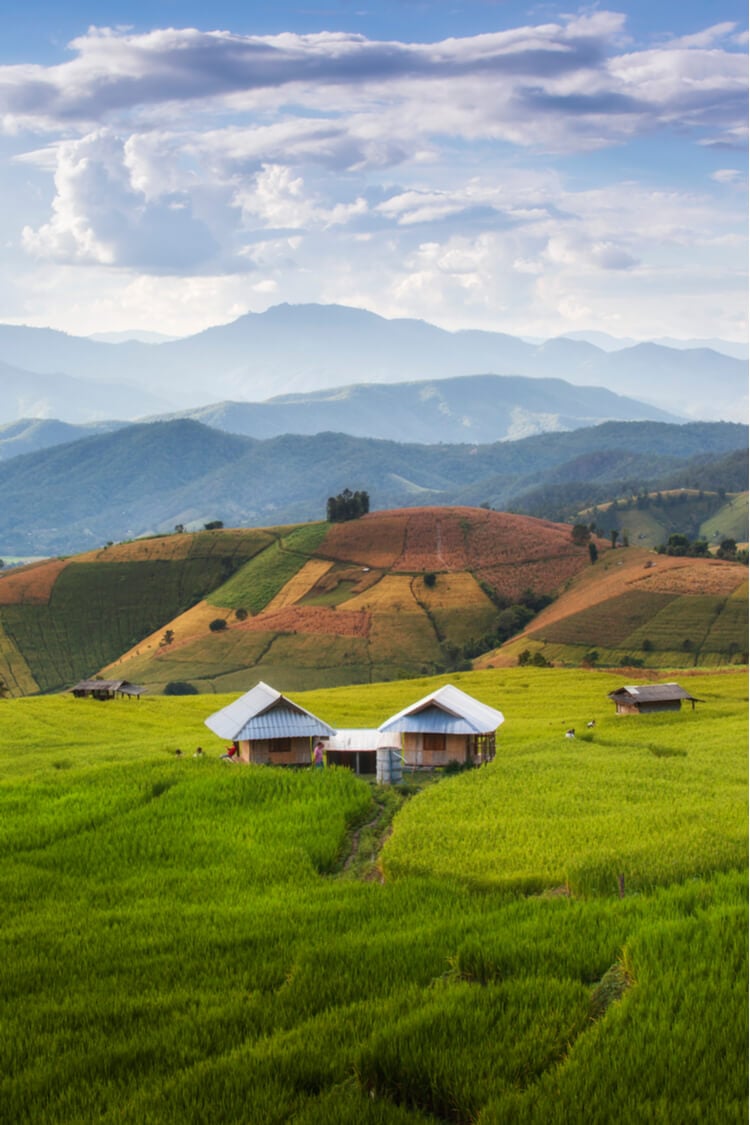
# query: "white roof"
{"type": "Point", "coordinates": [264, 712]}
{"type": "Point", "coordinates": [448, 709]}
{"type": "Point", "coordinates": [358, 738]}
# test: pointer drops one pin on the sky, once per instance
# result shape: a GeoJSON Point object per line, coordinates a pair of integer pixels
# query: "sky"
{"type": "Point", "coordinates": [527, 168]}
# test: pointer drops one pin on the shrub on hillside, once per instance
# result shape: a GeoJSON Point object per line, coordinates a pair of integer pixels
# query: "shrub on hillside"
{"type": "Point", "coordinates": [180, 687]}
{"type": "Point", "coordinates": [217, 624]}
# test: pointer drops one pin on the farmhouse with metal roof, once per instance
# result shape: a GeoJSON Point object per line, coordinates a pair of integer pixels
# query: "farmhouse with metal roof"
{"type": "Point", "coordinates": [105, 689]}
{"type": "Point", "coordinates": [267, 728]}
{"type": "Point", "coordinates": [446, 726]}
{"type": "Point", "coordinates": [646, 698]}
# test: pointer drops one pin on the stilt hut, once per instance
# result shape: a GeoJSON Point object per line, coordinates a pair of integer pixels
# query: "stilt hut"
{"type": "Point", "coordinates": [268, 729]}
{"type": "Point", "coordinates": [643, 699]}
{"type": "Point", "coordinates": [446, 726]}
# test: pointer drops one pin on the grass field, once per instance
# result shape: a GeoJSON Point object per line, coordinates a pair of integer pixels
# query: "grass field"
{"type": "Point", "coordinates": [184, 941]}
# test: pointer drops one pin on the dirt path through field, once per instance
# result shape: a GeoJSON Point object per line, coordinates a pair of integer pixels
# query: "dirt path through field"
{"type": "Point", "coordinates": [362, 860]}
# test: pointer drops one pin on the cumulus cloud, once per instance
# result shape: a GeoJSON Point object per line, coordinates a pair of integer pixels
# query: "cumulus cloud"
{"type": "Point", "coordinates": [100, 216]}
{"type": "Point", "coordinates": [278, 199]}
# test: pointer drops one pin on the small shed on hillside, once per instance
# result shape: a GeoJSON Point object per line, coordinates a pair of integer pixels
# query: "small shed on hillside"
{"type": "Point", "coordinates": [267, 728]}
{"type": "Point", "coordinates": [105, 689]}
{"type": "Point", "coordinates": [643, 699]}
{"type": "Point", "coordinates": [446, 726]}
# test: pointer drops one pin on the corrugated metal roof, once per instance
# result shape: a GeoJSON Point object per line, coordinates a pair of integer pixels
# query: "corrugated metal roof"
{"type": "Point", "coordinates": [447, 710]}
{"type": "Point", "coordinates": [264, 712]}
{"type": "Point", "coordinates": [652, 693]}
{"type": "Point", "coordinates": [282, 722]}
{"type": "Point", "coordinates": [358, 738]}
{"type": "Point", "coordinates": [108, 685]}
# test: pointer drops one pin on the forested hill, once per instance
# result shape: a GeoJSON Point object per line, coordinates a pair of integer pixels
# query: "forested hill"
{"type": "Point", "coordinates": [147, 478]}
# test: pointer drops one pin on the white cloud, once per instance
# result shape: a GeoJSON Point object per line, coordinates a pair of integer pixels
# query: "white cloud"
{"type": "Point", "coordinates": [416, 179]}
{"type": "Point", "coordinates": [726, 175]}
{"type": "Point", "coordinates": [278, 198]}
{"type": "Point", "coordinates": [99, 215]}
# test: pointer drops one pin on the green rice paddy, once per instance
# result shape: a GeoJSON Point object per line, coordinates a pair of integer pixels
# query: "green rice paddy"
{"type": "Point", "coordinates": [560, 937]}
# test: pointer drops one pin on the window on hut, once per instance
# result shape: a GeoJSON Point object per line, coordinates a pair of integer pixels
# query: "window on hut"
{"type": "Point", "coordinates": [434, 743]}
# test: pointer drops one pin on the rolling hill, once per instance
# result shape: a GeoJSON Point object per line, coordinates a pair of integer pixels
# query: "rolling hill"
{"type": "Point", "coordinates": [648, 519]}
{"type": "Point", "coordinates": [393, 595]}
{"type": "Point", "coordinates": [304, 606]}
{"type": "Point", "coordinates": [146, 479]}
{"type": "Point", "coordinates": [634, 608]}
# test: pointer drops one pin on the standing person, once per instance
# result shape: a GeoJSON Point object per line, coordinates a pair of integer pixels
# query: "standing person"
{"type": "Point", "coordinates": [318, 755]}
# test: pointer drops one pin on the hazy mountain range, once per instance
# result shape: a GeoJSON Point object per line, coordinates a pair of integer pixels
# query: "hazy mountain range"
{"type": "Point", "coordinates": [609, 343]}
{"type": "Point", "coordinates": [304, 348]}
{"type": "Point", "coordinates": [479, 408]}
{"type": "Point", "coordinates": [147, 478]}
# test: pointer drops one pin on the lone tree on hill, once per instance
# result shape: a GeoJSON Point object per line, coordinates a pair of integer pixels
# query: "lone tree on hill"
{"type": "Point", "coordinates": [347, 505]}
{"type": "Point", "coordinates": [580, 534]}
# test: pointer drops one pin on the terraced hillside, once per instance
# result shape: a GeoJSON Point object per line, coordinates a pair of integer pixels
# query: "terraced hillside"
{"type": "Point", "coordinates": [64, 618]}
{"type": "Point", "coordinates": [392, 595]}
{"type": "Point", "coordinates": [639, 609]}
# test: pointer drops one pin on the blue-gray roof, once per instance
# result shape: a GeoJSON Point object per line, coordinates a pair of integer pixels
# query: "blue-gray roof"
{"type": "Point", "coordinates": [263, 712]}
{"type": "Point", "coordinates": [446, 711]}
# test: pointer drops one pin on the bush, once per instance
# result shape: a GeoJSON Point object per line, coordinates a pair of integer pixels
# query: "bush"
{"type": "Point", "coordinates": [217, 624]}
{"type": "Point", "coordinates": [180, 687]}
{"type": "Point", "coordinates": [429, 578]}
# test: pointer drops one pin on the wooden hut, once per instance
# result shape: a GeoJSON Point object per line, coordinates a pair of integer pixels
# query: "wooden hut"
{"type": "Point", "coordinates": [268, 729]}
{"type": "Point", "coordinates": [105, 689]}
{"type": "Point", "coordinates": [446, 726]}
{"type": "Point", "coordinates": [643, 699]}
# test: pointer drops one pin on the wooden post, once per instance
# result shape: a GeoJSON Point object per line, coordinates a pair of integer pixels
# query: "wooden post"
{"type": "Point", "coordinates": [621, 885]}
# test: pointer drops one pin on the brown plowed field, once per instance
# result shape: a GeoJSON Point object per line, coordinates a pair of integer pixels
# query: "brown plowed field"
{"type": "Point", "coordinates": [444, 539]}
{"type": "Point", "coordinates": [32, 584]}
{"type": "Point", "coordinates": [376, 540]}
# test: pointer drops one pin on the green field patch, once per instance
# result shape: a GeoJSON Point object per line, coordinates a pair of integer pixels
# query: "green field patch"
{"type": "Point", "coordinates": [253, 587]}
{"type": "Point", "coordinates": [201, 659]}
{"type": "Point", "coordinates": [466, 624]}
{"type": "Point", "coordinates": [608, 623]}
{"type": "Point", "coordinates": [15, 673]}
{"type": "Point", "coordinates": [296, 662]}
{"type": "Point", "coordinates": [729, 522]}
{"type": "Point", "coordinates": [406, 639]}
{"type": "Point", "coordinates": [728, 628]}
{"type": "Point", "coordinates": [689, 619]}
{"type": "Point", "coordinates": [340, 593]}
